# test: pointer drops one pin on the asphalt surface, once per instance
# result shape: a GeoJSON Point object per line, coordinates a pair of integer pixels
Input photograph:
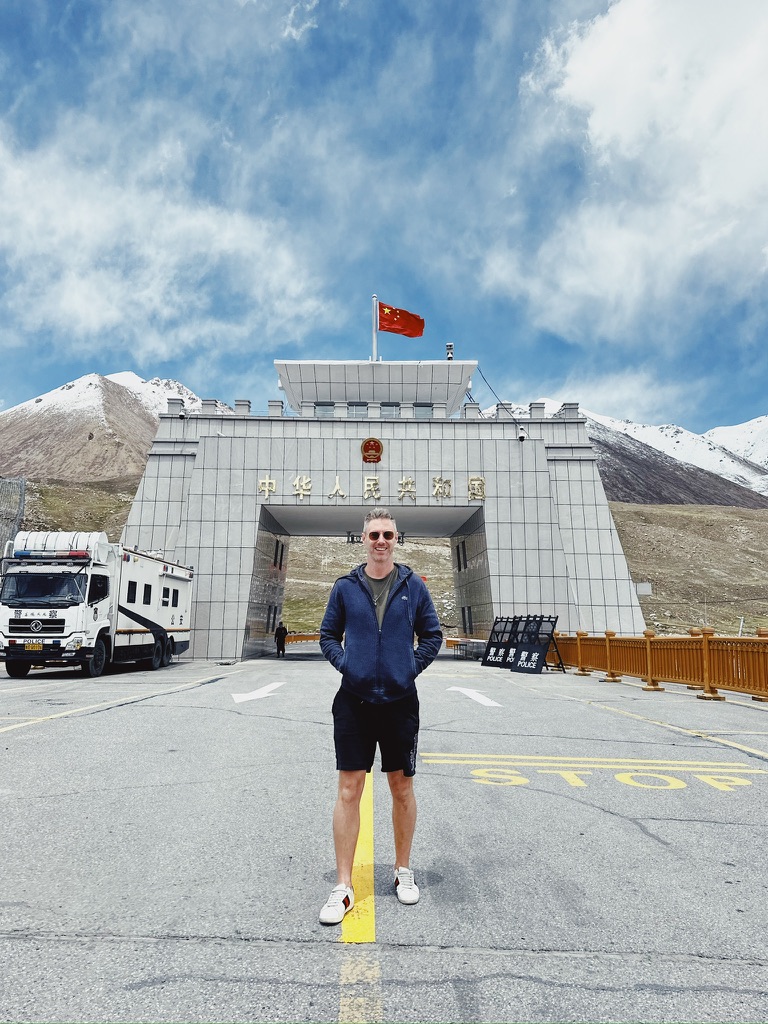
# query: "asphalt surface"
{"type": "Point", "coordinates": [586, 851]}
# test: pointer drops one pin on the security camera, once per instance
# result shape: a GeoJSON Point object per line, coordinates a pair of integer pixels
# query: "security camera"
{"type": "Point", "coordinates": [449, 350]}
{"type": "Point", "coordinates": [521, 437]}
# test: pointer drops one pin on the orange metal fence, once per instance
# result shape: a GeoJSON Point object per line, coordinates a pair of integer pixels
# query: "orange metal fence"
{"type": "Point", "coordinates": [300, 638]}
{"type": "Point", "coordinates": [701, 661]}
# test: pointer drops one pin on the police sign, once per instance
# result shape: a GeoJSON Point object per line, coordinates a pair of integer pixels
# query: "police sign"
{"type": "Point", "coordinates": [520, 643]}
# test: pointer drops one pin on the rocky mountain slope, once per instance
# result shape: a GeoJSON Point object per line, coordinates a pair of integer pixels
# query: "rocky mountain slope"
{"type": "Point", "coordinates": [701, 451]}
{"type": "Point", "coordinates": [667, 464]}
{"type": "Point", "coordinates": [632, 471]}
{"type": "Point", "coordinates": [92, 430]}
{"type": "Point", "coordinates": [706, 564]}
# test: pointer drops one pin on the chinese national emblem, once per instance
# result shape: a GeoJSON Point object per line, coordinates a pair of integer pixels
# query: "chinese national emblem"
{"type": "Point", "coordinates": [372, 449]}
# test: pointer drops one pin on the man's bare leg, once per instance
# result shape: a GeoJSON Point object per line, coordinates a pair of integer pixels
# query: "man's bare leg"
{"type": "Point", "coordinates": [346, 823]}
{"type": "Point", "coordinates": [403, 816]}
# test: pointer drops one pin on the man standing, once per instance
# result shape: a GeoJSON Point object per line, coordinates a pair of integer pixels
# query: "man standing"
{"type": "Point", "coordinates": [377, 609]}
{"type": "Point", "coordinates": [280, 634]}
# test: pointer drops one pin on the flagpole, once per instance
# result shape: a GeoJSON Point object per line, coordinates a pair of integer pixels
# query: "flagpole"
{"type": "Point", "coordinates": [375, 316]}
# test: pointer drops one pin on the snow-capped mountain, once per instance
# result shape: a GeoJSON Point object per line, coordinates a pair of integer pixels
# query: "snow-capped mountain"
{"type": "Point", "coordinates": [709, 451]}
{"type": "Point", "coordinates": [749, 440]}
{"type": "Point", "coordinates": [86, 395]}
{"type": "Point", "coordinates": [154, 393]}
{"type": "Point", "coordinates": [635, 472]}
{"type": "Point", "coordinates": [668, 464]}
{"type": "Point", "coordinates": [91, 430]}
{"type": "Point", "coordinates": [722, 450]}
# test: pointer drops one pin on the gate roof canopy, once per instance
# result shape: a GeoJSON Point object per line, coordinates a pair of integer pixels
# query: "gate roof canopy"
{"type": "Point", "coordinates": [337, 521]}
{"type": "Point", "coordinates": [365, 381]}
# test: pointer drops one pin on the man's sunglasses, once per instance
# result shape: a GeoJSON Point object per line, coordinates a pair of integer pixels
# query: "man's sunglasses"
{"type": "Point", "coordinates": [386, 534]}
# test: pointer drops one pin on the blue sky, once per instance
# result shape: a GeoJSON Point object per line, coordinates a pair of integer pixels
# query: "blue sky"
{"type": "Point", "coordinates": [572, 192]}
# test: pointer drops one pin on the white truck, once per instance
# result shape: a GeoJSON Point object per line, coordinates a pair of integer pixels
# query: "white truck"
{"type": "Point", "coordinates": [76, 599]}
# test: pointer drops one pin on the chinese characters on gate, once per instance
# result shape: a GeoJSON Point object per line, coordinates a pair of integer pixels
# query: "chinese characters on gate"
{"type": "Point", "coordinates": [442, 487]}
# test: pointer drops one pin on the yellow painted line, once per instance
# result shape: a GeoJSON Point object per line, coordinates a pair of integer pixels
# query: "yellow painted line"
{"type": "Point", "coordinates": [531, 760]}
{"type": "Point", "coordinates": [732, 698]}
{"type": "Point", "coordinates": [738, 732]}
{"type": "Point", "coordinates": [686, 732]}
{"type": "Point", "coordinates": [652, 721]}
{"type": "Point", "coordinates": [115, 702]}
{"type": "Point", "coordinates": [617, 766]}
{"type": "Point", "coordinates": [42, 686]}
{"type": "Point", "coordinates": [359, 925]}
{"type": "Point", "coordinates": [360, 997]}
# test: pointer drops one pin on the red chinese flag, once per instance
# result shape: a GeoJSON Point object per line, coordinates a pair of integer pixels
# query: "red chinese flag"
{"type": "Point", "coordinates": [400, 321]}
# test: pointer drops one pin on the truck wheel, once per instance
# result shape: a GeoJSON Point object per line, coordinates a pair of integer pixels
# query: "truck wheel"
{"type": "Point", "coordinates": [168, 653]}
{"type": "Point", "coordinates": [157, 656]}
{"type": "Point", "coordinates": [17, 669]}
{"type": "Point", "coordinates": [96, 665]}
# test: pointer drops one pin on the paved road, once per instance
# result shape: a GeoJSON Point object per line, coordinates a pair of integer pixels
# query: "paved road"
{"type": "Point", "coordinates": [586, 851]}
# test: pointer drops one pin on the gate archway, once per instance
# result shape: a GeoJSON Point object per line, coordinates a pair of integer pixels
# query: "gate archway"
{"type": "Point", "coordinates": [520, 498]}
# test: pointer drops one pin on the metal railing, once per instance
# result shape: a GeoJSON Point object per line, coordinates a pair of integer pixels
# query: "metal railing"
{"type": "Point", "coordinates": [300, 638]}
{"type": "Point", "coordinates": [700, 661]}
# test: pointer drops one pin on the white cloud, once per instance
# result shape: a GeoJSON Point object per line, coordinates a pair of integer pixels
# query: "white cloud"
{"type": "Point", "coordinates": [678, 81]}
{"type": "Point", "coordinates": [208, 181]}
{"type": "Point", "coordinates": [666, 100]}
{"type": "Point", "coordinates": [636, 394]}
{"type": "Point", "coordinates": [299, 19]}
{"type": "Point", "coordinates": [194, 32]}
{"type": "Point", "coordinates": [91, 256]}
{"type": "Point", "coordinates": [111, 236]}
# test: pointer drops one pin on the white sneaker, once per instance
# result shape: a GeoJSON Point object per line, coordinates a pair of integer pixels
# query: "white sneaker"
{"type": "Point", "coordinates": [405, 887]}
{"type": "Point", "coordinates": [341, 900]}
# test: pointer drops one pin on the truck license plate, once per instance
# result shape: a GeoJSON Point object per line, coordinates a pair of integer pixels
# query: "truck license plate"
{"type": "Point", "coordinates": [33, 647]}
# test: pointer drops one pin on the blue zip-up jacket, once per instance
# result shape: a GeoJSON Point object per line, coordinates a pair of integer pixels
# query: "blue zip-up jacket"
{"type": "Point", "coordinates": [380, 665]}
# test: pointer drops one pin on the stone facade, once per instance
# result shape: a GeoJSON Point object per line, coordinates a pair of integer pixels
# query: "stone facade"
{"type": "Point", "coordinates": [519, 497]}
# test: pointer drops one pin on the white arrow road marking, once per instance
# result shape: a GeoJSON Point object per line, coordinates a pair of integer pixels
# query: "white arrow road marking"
{"type": "Point", "coordinates": [264, 691]}
{"type": "Point", "coordinates": [476, 695]}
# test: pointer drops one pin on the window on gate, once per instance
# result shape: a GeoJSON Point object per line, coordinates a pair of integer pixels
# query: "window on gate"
{"type": "Point", "coordinates": [466, 620]}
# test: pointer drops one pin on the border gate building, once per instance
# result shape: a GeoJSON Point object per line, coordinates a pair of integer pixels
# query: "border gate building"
{"type": "Point", "coordinates": [520, 498]}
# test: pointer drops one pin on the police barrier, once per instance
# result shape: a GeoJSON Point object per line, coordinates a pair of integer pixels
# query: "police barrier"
{"type": "Point", "coordinates": [521, 643]}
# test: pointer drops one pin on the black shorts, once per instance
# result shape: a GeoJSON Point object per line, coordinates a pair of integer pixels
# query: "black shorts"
{"type": "Point", "coordinates": [359, 725]}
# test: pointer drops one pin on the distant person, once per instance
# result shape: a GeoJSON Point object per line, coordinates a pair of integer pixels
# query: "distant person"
{"type": "Point", "coordinates": [280, 634]}
{"type": "Point", "coordinates": [376, 609]}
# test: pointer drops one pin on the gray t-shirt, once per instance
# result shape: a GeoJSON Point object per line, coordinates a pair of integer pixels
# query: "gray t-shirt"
{"type": "Point", "coordinates": [380, 592]}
